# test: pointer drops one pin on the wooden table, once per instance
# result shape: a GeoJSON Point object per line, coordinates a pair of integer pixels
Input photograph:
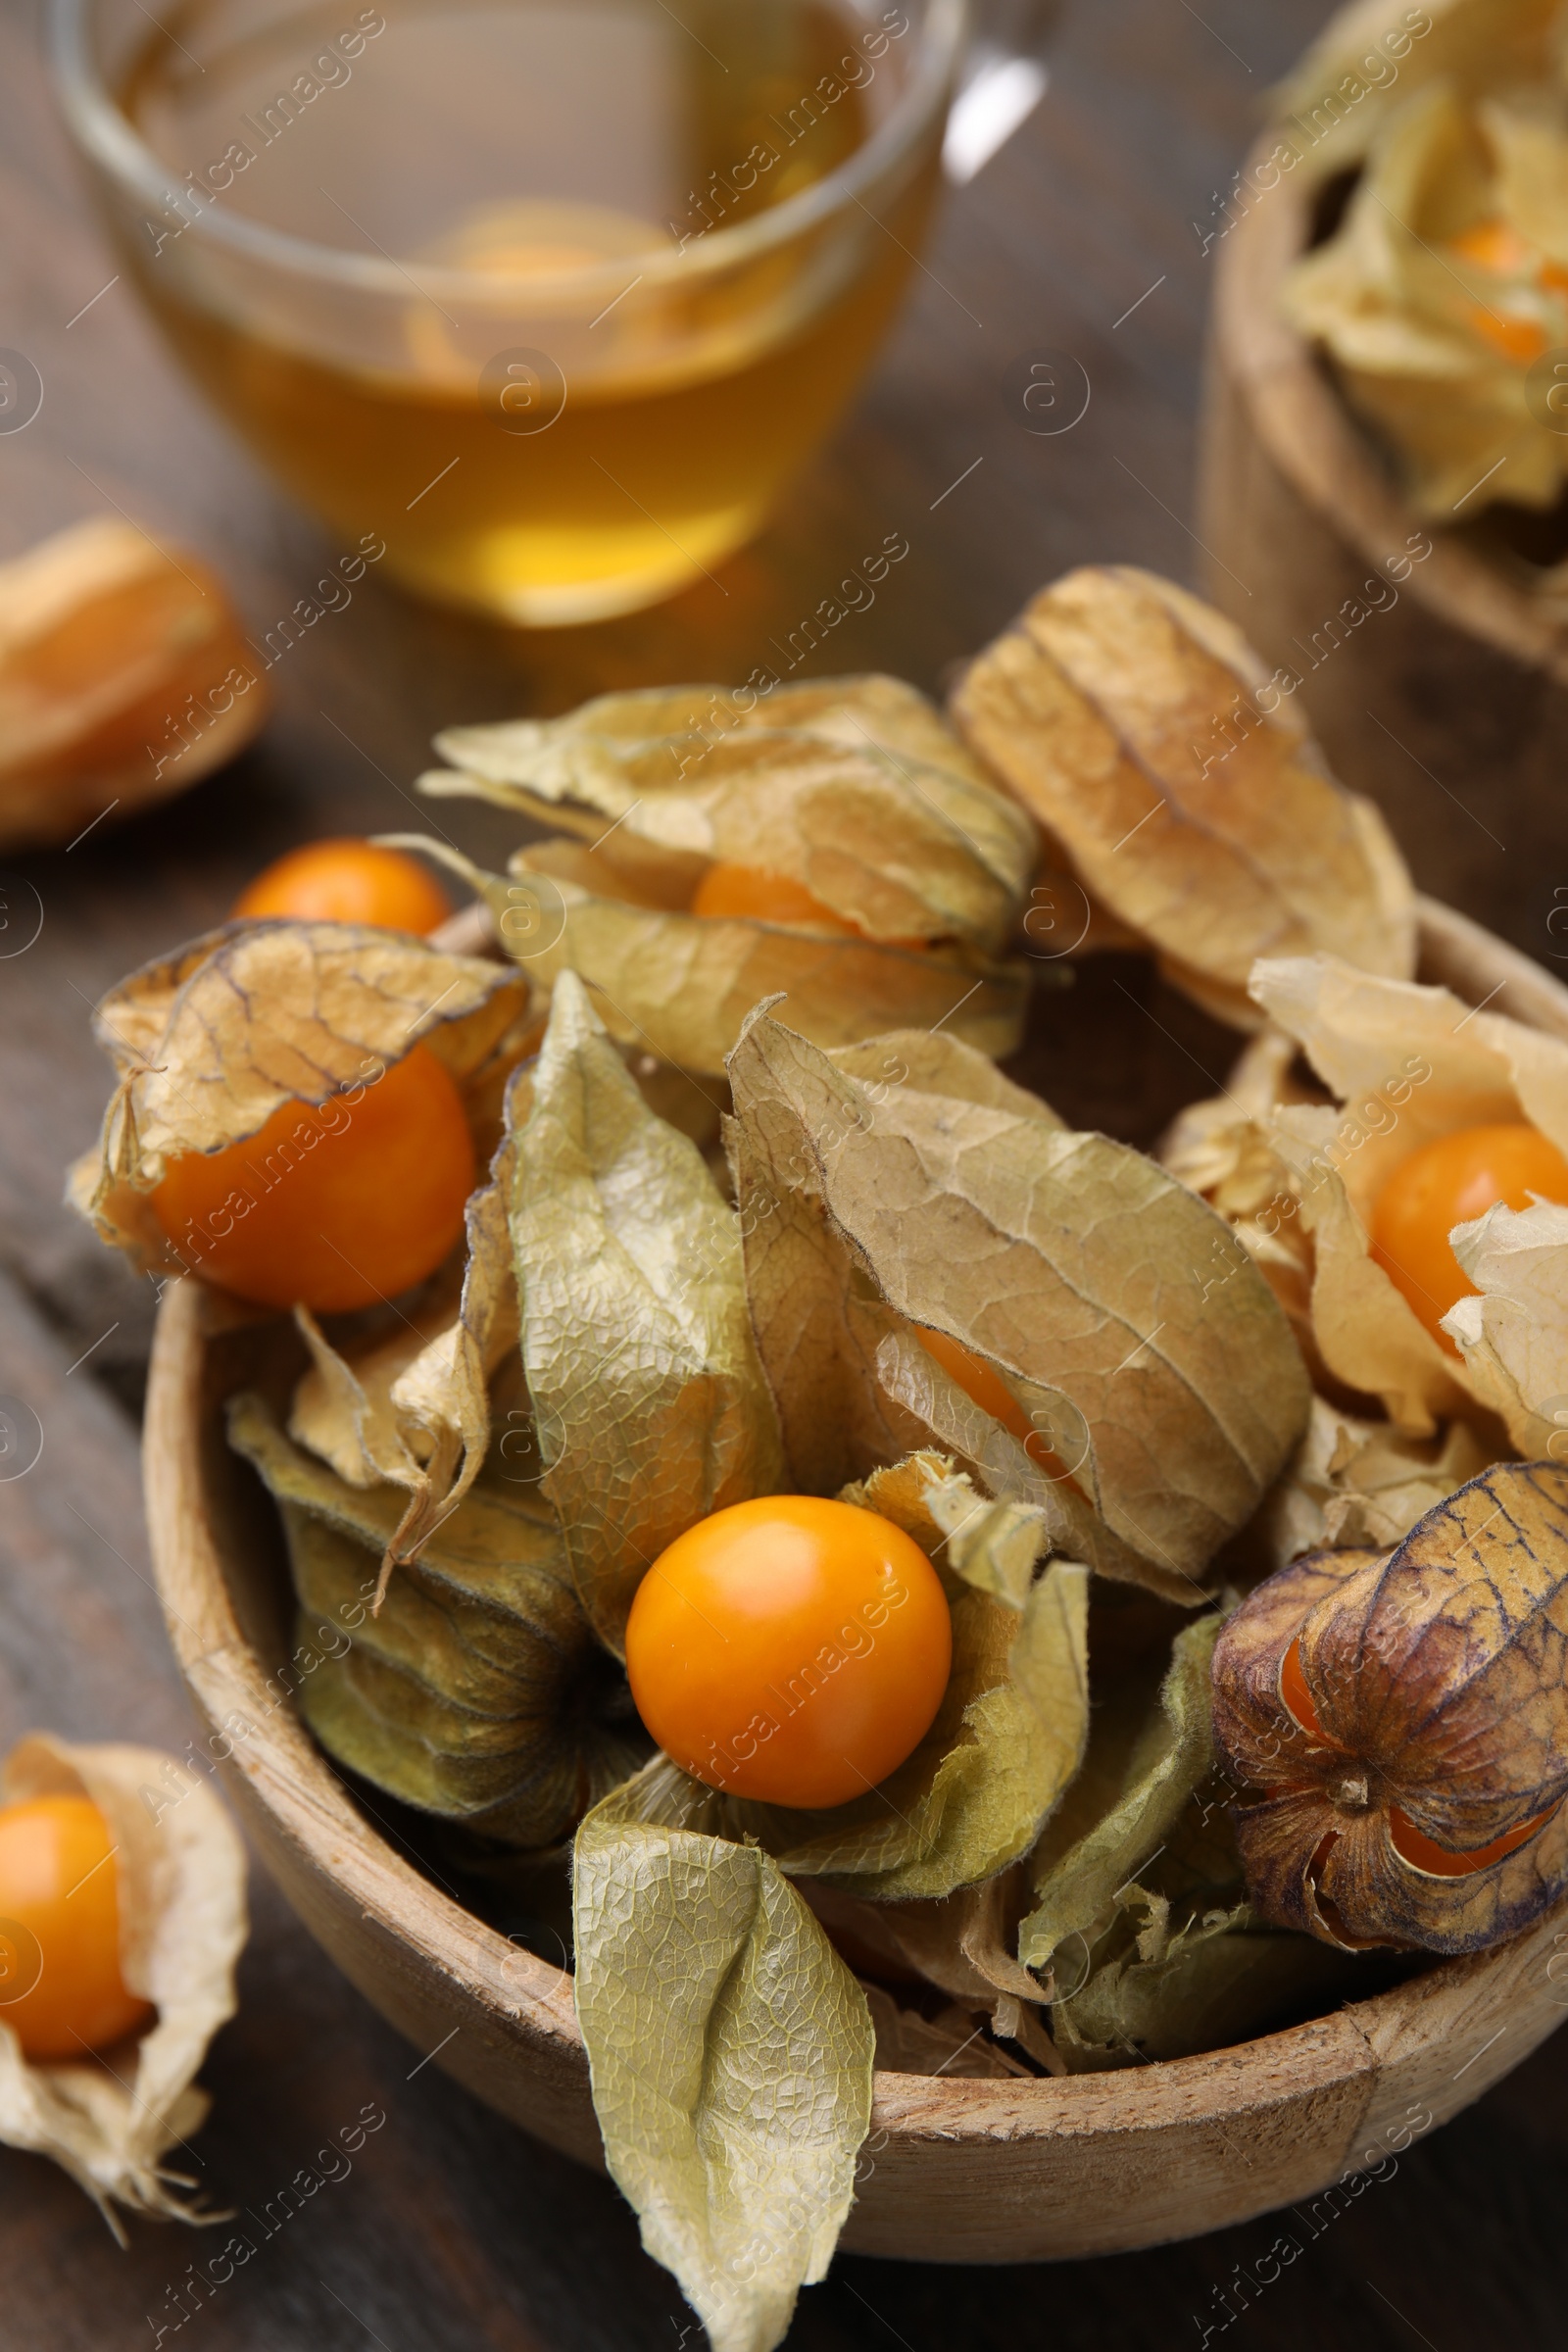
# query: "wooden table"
{"type": "Point", "coordinates": [454, 2231]}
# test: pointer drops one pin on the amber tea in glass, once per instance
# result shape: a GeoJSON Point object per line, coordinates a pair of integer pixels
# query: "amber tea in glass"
{"type": "Point", "coordinates": [553, 296]}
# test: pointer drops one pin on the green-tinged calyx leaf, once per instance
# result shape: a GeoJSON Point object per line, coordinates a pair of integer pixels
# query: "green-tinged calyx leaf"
{"type": "Point", "coordinates": [648, 1395]}
{"type": "Point", "coordinates": [1006, 1742]}
{"type": "Point", "coordinates": [732, 2054]}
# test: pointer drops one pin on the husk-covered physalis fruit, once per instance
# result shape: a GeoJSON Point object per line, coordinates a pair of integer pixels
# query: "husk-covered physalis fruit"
{"type": "Point", "coordinates": [903, 1189]}
{"type": "Point", "coordinates": [298, 1109]}
{"type": "Point", "coordinates": [1446, 282]}
{"type": "Point", "coordinates": [1177, 781]}
{"type": "Point", "coordinates": [1422, 1085]}
{"type": "Point", "coordinates": [648, 1403]}
{"type": "Point", "coordinates": [123, 1895]}
{"type": "Point", "coordinates": [1140, 1930]}
{"type": "Point", "coordinates": [1404, 1720]}
{"type": "Point", "coordinates": [124, 676]}
{"type": "Point", "coordinates": [791, 1648]}
{"type": "Point", "coordinates": [411, 1408]}
{"type": "Point", "coordinates": [847, 852]}
{"type": "Point", "coordinates": [478, 1692]}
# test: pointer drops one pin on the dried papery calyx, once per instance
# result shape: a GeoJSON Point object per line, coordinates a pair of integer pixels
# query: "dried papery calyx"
{"type": "Point", "coordinates": [840, 843]}
{"type": "Point", "coordinates": [120, 2130]}
{"type": "Point", "coordinates": [1404, 1719]}
{"type": "Point", "coordinates": [1006, 1739]}
{"type": "Point", "coordinates": [1440, 289]}
{"type": "Point", "coordinates": [125, 677]}
{"type": "Point", "coordinates": [934, 1260]}
{"type": "Point", "coordinates": [479, 1692]}
{"type": "Point", "coordinates": [649, 1399]}
{"type": "Point", "coordinates": [211, 1042]}
{"type": "Point", "coordinates": [1355, 1484]}
{"type": "Point", "coordinates": [1407, 1066]}
{"type": "Point", "coordinates": [1177, 781]}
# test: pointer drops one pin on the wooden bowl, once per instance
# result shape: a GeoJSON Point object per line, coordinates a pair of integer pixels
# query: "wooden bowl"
{"type": "Point", "coordinates": [1451, 707]}
{"type": "Point", "coordinates": [956, 2171]}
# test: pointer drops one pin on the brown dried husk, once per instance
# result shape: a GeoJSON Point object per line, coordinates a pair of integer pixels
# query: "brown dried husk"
{"type": "Point", "coordinates": [857, 790]}
{"type": "Point", "coordinates": [676, 985]}
{"type": "Point", "coordinates": [938, 1197]}
{"type": "Point", "coordinates": [106, 639]}
{"type": "Point", "coordinates": [182, 1926]}
{"type": "Point", "coordinates": [1437, 1674]}
{"type": "Point", "coordinates": [208, 1041]}
{"type": "Point", "coordinates": [1102, 708]}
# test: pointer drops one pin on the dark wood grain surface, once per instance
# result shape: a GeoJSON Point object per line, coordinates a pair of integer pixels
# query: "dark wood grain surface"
{"type": "Point", "coordinates": [452, 2231]}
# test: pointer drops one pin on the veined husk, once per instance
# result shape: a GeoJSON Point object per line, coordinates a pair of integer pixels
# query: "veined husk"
{"type": "Point", "coordinates": [732, 2054]}
{"type": "Point", "coordinates": [208, 1041]}
{"type": "Point", "coordinates": [669, 983]}
{"type": "Point", "coordinates": [1406, 1064]}
{"type": "Point", "coordinates": [1480, 45]}
{"type": "Point", "coordinates": [412, 1408]}
{"type": "Point", "coordinates": [1513, 1336]}
{"type": "Point", "coordinates": [479, 1692]}
{"type": "Point", "coordinates": [648, 1395]}
{"type": "Point", "coordinates": [1140, 1923]}
{"type": "Point", "coordinates": [1436, 1674]}
{"type": "Point", "coordinates": [930, 1198]}
{"type": "Point", "coordinates": [571, 760]}
{"type": "Point", "coordinates": [1433, 349]}
{"type": "Point", "coordinates": [1150, 1748]}
{"type": "Point", "coordinates": [182, 1926]}
{"type": "Point", "coordinates": [1137, 725]}
{"type": "Point", "coordinates": [855, 789]}
{"type": "Point", "coordinates": [1007, 1740]}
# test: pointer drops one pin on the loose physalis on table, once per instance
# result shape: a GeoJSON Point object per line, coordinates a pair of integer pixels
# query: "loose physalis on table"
{"type": "Point", "coordinates": [927, 1586]}
{"type": "Point", "coordinates": [121, 1916]}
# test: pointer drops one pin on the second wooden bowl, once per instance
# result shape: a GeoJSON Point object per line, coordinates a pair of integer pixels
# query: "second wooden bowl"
{"type": "Point", "coordinates": [954, 2171]}
{"type": "Point", "coordinates": [1447, 701]}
